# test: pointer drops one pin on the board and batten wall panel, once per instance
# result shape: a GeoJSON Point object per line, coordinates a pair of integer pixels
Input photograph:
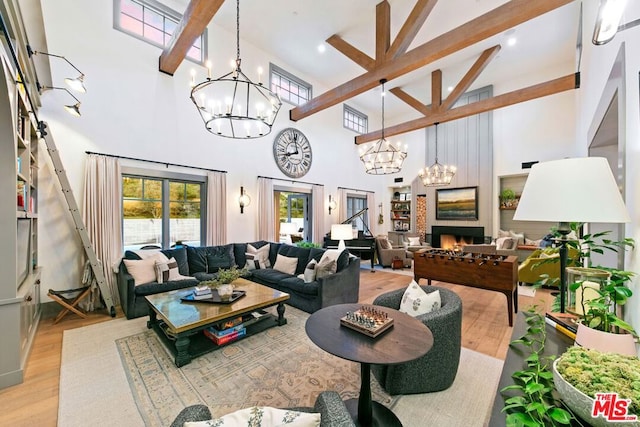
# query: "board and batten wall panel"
{"type": "Point", "coordinates": [466, 143]}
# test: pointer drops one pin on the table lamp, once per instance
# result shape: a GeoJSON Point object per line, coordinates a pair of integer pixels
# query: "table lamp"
{"type": "Point", "coordinates": [571, 190]}
{"type": "Point", "coordinates": [287, 229]}
{"type": "Point", "coordinates": [341, 232]}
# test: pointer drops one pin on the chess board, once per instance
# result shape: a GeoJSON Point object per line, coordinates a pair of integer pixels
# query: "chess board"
{"type": "Point", "coordinates": [367, 321]}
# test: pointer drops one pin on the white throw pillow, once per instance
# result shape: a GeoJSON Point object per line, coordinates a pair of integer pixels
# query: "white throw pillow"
{"type": "Point", "coordinates": [414, 241]}
{"type": "Point", "coordinates": [286, 264]}
{"type": "Point", "coordinates": [328, 264]}
{"type": "Point", "coordinates": [310, 271]}
{"type": "Point", "coordinates": [518, 237]}
{"type": "Point", "coordinates": [144, 270]}
{"type": "Point", "coordinates": [167, 271]}
{"type": "Point", "coordinates": [505, 243]}
{"type": "Point", "coordinates": [261, 416]}
{"type": "Point", "coordinates": [257, 258]}
{"type": "Point", "coordinates": [415, 301]}
{"type": "Point", "coordinates": [151, 253]}
{"type": "Point", "coordinates": [503, 233]}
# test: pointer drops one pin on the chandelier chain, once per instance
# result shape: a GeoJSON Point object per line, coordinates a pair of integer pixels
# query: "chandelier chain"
{"type": "Point", "coordinates": [238, 32]}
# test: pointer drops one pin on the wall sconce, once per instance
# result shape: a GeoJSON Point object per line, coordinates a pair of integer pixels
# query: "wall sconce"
{"type": "Point", "coordinates": [608, 20]}
{"type": "Point", "coordinates": [76, 84]}
{"type": "Point", "coordinates": [332, 204]}
{"type": "Point", "coordinates": [74, 109]}
{"type": "Point", "coordinates": [244, 200]}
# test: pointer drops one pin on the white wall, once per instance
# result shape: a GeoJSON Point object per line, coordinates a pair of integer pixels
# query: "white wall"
{"type": "Point", "coordinates": [597, 66]}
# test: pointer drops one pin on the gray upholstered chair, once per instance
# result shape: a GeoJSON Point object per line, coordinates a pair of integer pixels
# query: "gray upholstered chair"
{"type": "Point", "coordinates": [437, 369]}
{"type": "Point", "coordinates": [387, 253]}
{"type": "Point", "coordinates": [329, 404]}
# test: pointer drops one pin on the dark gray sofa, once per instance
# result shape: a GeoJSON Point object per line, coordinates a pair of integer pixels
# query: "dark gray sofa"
{"type": "Point", "coordinates": [202, 263]}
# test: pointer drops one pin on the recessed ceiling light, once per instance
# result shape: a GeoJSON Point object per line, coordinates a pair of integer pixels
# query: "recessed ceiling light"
{"type": "Point", "coordinates": [512, 41]}
{"type": "Point", "coordinates": [450, 88]}
{"type": "Point", "coordinates": [321, 48]}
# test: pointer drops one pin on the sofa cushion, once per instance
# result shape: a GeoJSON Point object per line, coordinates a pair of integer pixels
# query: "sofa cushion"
{"type": "Point", "coordinates": [202, 276]}
{"type": "Point", "coordinates": [154, 288]}
{"type": "Point", "coordinates": [415, 301]}
{"type": "Point", "coordinates": [220, 257]}
{"type": "Point", "coordinates": [286, 264]}
{"type": "Point", "coordinates": [301, 254]}
{"type": "Point", "coordinates": [270, 276]}
{"type": "Point", "coordinates": [144, 270]}
{"type": "Point", "coordinates": [180, 255]}
{"type": "Point", "coordinates": [299, 286]}
{"type": "Point", "coordinates": [328, 263]}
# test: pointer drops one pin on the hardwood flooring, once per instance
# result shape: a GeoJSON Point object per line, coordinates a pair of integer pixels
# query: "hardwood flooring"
{"type": "Point", "coordinates": [485, 329]}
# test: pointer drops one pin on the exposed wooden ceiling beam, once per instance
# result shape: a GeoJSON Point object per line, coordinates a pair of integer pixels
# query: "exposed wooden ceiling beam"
{"type": "Point", "coordinates": [436, 90]}
{"type": "Point", "coordinates": [491, 23]}
{"type": "Point", "coordinates": [550, 87]}
{"type": "Point", "coordinates": [383, 31]}
{"type": "Point", "coordinates": [410, 28]}
{"type": "Point", "coordinates": [194, 21]}
{"type": "Point", "coordinates": [470, 76]}
{"type": "Point", "coordinates": [413, 102]}
{"type": "Point", "coordinates": [348, 50]}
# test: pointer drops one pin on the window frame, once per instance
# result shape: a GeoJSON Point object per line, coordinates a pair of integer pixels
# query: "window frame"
{"type": "Point", "coordinates": [167, 13]}
{"type": "Point", "coordinates": [348, 109]}
{"type": "Point", "coordinates": [166, 177]}
{"type": "Point", "coordinates": [350, 211]}
{"type": "Point", "coordinates": [273, 68]}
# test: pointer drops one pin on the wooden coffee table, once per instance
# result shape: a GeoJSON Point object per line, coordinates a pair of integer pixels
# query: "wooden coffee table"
{"type": "Point", "coordinates": [407, 340]}
{"type": "Point", "coordinates": [180, 324]}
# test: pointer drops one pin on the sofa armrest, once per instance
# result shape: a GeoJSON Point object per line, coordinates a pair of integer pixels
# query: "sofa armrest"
{"type": "Point", "coordinates": [126, 284]}
{"type": "Point", "coordinates": [332, 409]}
{"type": "Point", "coordinates": [341, 287]}
{"type": "Point", "coordinates": [387, 255]}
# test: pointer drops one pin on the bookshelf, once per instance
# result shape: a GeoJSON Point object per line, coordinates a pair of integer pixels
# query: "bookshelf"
{"type": "Point", "coordinates": [20, 308]}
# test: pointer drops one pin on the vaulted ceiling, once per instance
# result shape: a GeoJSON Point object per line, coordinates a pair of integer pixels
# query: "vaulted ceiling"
{"type": "Point", "coordinates": [421, 46]}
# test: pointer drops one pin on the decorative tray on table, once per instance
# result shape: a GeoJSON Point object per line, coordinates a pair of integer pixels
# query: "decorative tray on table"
{"type": "Point", "coordinates": [214, 297]}
{"type": "Point", "coordinates": [368, 321]}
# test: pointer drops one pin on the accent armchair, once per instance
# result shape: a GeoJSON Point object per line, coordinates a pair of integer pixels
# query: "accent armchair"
{"type": "Point", "coordinates": [437, 369]}
{"type": "Point", "coordinates": [545, 261]}
{"type": "Point", "coordinates": [414, 242]}
{"type": "Point", "coordinates": [387, 253]}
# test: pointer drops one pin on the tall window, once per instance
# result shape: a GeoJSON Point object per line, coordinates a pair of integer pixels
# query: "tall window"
{"type": "Point", "coordinates": [154, 23]}
{"type": "Point", "coordinates": [354, 205]}
{"type": "Point", "coordinates": [161, 211]}
{"type": "Point", "coordinates": [290, 88]}
{"type": "Point", "coordinates": [355, 120]}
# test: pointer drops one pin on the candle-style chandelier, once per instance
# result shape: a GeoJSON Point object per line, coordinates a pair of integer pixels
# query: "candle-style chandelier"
{"type": "Point", "coordinates": [383, 157]}
{"type": "Point", "coordinates": [437, 174]}
{"type": "Point", "coordinates": [232, 105]}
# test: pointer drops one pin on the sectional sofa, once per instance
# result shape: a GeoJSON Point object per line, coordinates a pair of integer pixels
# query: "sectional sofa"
{"type": "Point", "coordinates": [195, 264]}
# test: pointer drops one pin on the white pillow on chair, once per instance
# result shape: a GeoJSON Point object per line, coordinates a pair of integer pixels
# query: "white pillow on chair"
{"type": "Point", "coordinates": [415, 301]}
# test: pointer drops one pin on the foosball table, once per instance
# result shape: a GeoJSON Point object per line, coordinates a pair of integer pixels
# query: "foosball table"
{"type": "Point", "coordinates": [492, 272]}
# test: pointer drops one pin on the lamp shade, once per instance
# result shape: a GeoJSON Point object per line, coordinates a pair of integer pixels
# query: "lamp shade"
{"type": "Point", "coordinates": [341, 232]}
{"type": "Point", "coordinates": [288, 228]}
{"type": "Point", "coordinates": [572, 190]}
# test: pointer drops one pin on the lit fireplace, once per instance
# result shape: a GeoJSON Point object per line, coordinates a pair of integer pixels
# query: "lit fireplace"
{"type": "Point", "coordinates": [448, 237]}
{"type": "Point", "coordinates": [449, 241]}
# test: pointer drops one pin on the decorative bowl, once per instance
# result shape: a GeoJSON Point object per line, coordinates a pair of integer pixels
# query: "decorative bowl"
{"type": "Point", "coordinates": [581, 404]}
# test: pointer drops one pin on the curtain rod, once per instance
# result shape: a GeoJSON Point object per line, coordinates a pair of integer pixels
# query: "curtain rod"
{"type": "Point", "coordinates": [292, 181]}
{"type": "Point", "coordinates": [154, 161]}
{"type": "Point", "coordinates": [355, 189]}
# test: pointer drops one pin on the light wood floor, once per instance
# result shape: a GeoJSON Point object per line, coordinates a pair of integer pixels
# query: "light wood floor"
{"type": "Point", "coordinates": [35, 402]}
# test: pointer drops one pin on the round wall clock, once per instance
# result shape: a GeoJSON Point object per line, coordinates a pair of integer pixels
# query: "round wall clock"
{"type": "Point", "coordinates": [292, 152]}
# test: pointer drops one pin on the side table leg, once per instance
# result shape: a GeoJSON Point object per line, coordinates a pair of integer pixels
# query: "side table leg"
{"type": "Point", "coordinates": [182, 351]}
{"type": "Point", "coordinates": [365, 410]}
{"type": "Point", "coordinates": [281, 319]}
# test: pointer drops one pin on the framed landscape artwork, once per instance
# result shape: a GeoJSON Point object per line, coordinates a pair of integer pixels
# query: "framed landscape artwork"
{"type": "Point", "coordinates": [457, 203]}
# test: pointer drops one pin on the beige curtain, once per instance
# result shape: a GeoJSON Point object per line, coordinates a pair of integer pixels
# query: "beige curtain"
{"type": "Point", "coordinates": [216, 208]}
{"type": "Point", "coordinates": [318, 213]}
{"type": "Point", "coordinates": [266, 215]}
{"type": "Point", "coordinates": [371, 213]}
{"type": "Point", "coordinates": [102, 216]}
{"type": "Point", "coordinates": [342, 205]}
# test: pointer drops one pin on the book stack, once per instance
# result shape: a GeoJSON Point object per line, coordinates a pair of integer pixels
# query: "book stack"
{"type": "Point", "coordinates": [565, 323]}
{"type": "Point", "coordinates": [202, 292]}
{"type": "Point", "coordinates": [226, 335]}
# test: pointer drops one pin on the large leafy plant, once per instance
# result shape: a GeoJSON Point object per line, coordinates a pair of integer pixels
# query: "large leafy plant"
{"type": "Point", "coordinates": [531, 401]}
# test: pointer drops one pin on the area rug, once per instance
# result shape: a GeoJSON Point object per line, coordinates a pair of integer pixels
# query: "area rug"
{"type": "Point", "coordinates": [118, 373]}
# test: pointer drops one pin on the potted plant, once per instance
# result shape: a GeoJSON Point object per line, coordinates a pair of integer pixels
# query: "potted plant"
{"type": "Point", "coordinates": [531, 400]}
{"type": "Point", "coordinates": [579, 374]}
{"type": "Point", "coordinates": [222, 283]}
{"type": "Point", "coordinates": [508, 198]}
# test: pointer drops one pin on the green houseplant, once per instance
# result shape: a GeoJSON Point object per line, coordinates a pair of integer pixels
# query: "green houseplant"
{"type": "Point", "coordinates": [222, 282]}
{"type": "Point", "coordinates": [531, 401]}
{"type": "Point", "coordinates": [507, 198]}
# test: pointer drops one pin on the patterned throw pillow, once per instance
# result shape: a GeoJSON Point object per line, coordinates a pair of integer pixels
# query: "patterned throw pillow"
{"type": "Point", "coordinates": [261, 416]}
{"type": "Point", "coordinates": [505, 243]}
{"type": "Point", "coordinates": [257, 258]}
{"type": "Point", "coordinates": [310, 271]}
{"type": "Point", "coordinates": [167, 271]}
{"type": "Point", "coordinates": [328, 264]}
{"type": "Point", "coordinates": [416, 301]}
{"type": "Point", "coordinates": [384, 243]}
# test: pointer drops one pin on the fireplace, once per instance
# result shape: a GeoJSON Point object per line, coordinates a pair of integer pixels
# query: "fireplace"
{"type": "Point", "coordinates": [448, 237]}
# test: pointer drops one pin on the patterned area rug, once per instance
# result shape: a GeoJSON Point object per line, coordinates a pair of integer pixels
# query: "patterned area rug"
{"type": "Point", "coordinates": [279, 367]}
